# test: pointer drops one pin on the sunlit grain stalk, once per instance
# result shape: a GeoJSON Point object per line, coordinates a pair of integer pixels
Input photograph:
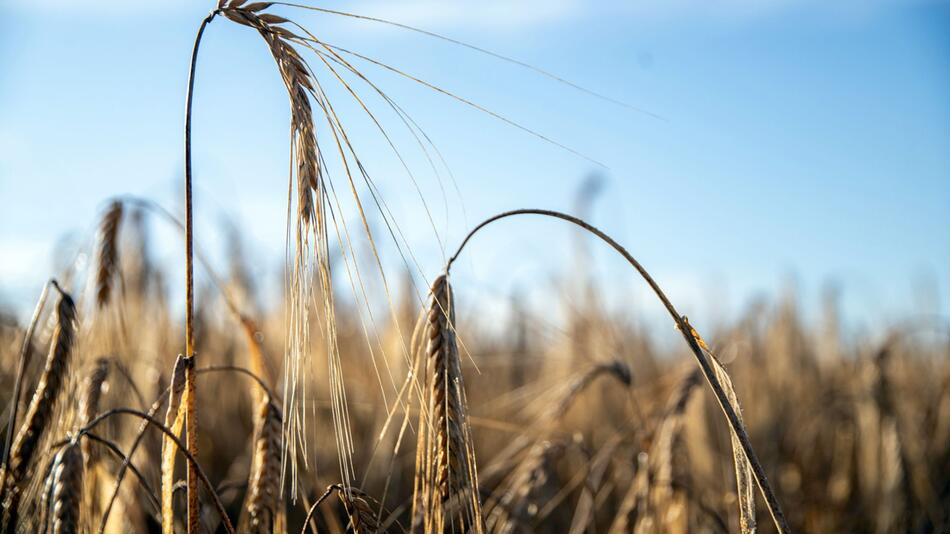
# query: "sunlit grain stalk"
{"type": "Point", "coordinates": [174, 420]}
{"type": "Point", "coordinates": [309, 220]}
{"type": "Point", "coordinates": [711, 369]}
{"type": "Point", "coordinates": [445, 472]}
{"type": "Point", "coordinates": [26, 354]}
{"type": "Point", "coordinates": [40, 412]}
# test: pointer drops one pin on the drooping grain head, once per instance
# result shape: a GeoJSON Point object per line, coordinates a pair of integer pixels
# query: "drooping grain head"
{"type": "Point", "coordinates": [107, 253]}
{"type": "Point", "coordinates": [297, 79]}
{"type": "Point", "coordinates": [360, 510]}
{"type": "Point", "coordinates": [617, 369]}
{"type": "Point", "coordinates": [92, 389]}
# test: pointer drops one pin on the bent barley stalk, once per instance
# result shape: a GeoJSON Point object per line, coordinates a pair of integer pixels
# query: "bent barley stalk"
{"type": "Point", "coordinates": [711, 368]}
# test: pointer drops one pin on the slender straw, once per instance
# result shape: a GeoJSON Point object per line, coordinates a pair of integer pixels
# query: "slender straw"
{"type": "Point", "coordinates": [768, 494]}
{"type": "Point", "coordinates": [191, 422]}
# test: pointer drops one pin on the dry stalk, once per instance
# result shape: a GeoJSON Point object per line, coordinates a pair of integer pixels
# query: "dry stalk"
{"type": "Point", "coordinates": [711, 368]}
{"type": "Point", "coordinates": [174, 420]}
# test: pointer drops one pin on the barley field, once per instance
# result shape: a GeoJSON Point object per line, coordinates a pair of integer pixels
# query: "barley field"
{"type": "Point", "coordinates": [322, 409]}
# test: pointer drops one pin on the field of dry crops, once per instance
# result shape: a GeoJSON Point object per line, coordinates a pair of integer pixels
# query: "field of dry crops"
{"type": "Point", "coordinates": [123, 414]}
{"type": "Point", "coordinates": [594, 430]}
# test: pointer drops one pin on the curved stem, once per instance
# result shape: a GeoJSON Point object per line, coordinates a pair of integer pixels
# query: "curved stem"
{"type": "Point", "coordinates": [192, 461]}
{"type": "Point", "coordinates": [313, 508]}
{"type": "Point", "coordinates": [117, 452]}
{"type": "Point", "coordinates": [738, 428]}
{"type": "Point", "coordinates": [126, 464]}
{"type": "Point", "coordinates": [191, 423]}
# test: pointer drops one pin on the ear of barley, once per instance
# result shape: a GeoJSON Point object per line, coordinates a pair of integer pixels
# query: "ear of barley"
{"type": "Point", "coordinates": [62, 506]}
{"type": "Point", "coordinates": [658, 464]}
{"type": "Point", "coordinates": [617, 369]}
{"type": "Point", "coordinates": [91, 391]}
{"type": "Point", "coordinates": [263, 510]}
{"type": "Point", "coordinates": [448, 481]}
{"type": "Point", "coordinates": [90, 395]}
{"type": "Point", "coordinates": [310, 236]}
{"type": "Point", "coordinates": [361, 510]}
{"type": "Point", "coordinates": [514, 506]}
{"type": "Point", "coordinates": [39, 415]}
{"type": "Point", "coordinates": [108, 252]}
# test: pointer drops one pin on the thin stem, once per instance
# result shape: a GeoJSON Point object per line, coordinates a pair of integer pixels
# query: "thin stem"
{"type": "Point", "coordinates": [768, 494]}
{"type": "Point", "coordinates": [117, 452]}
{"type": "Point", "coordinates": [191, 422]}
{"type": "Point", "coordinates": [313, 508]}
{"type": "Point", "coordinates": [192, 461]}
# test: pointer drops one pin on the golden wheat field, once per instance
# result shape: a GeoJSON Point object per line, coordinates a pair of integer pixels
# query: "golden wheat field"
{"type": "Point", "coordinates": [127, 409]}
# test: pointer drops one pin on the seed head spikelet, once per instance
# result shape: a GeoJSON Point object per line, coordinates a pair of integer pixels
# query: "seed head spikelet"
{"type": "Point", "coordinates": [39, 415]}
{"type": "Point", "coordinates": [107, 254]}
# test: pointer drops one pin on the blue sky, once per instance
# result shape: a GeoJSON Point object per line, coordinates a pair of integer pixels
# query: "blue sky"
{"type": "Point", "coordinates": [798, 140]}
